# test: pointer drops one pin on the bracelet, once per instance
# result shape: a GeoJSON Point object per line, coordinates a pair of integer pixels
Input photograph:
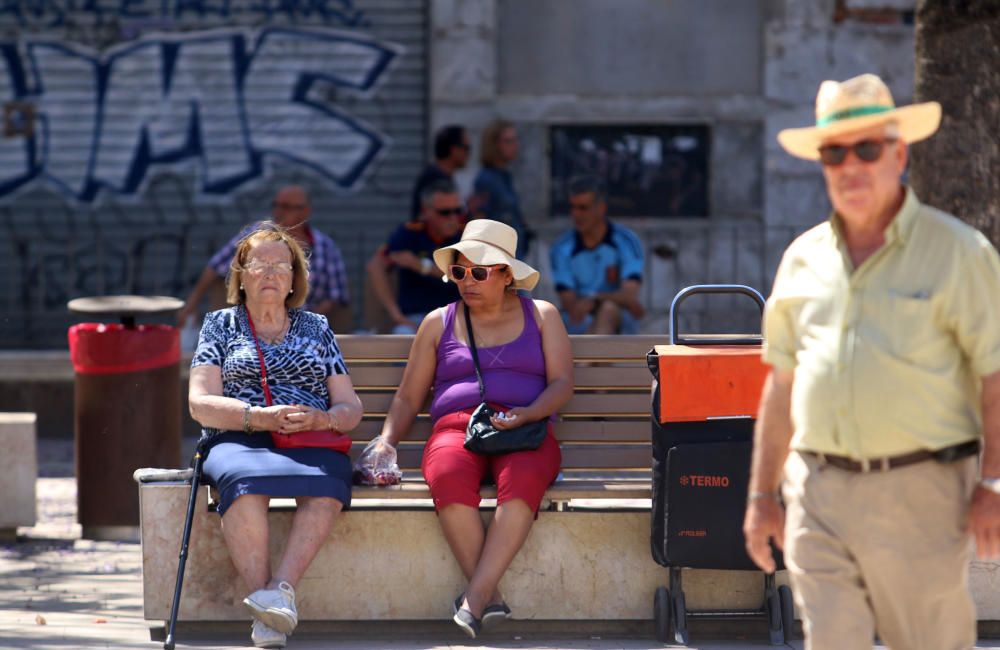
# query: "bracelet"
{"type": "Point", "coordinates": [773, 496]}
{"type": "Point", "coordinates": [330, 421]}
{"type": "Point", "coordinates": [246, 418]}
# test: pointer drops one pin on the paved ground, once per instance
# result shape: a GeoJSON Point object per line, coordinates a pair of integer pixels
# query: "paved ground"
{"type": "Point", "coordinates": [60, 592]}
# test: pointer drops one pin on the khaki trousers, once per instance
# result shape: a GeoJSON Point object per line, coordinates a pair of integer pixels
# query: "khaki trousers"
{"type": "Point", "coordinates": [880, 552]}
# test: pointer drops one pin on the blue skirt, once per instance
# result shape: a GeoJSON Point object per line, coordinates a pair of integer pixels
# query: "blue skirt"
{"type": "Point", "coordinates": [239, 464]}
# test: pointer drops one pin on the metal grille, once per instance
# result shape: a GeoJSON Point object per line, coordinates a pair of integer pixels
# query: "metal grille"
{"type": "Point", "coordinates": [159, 129]}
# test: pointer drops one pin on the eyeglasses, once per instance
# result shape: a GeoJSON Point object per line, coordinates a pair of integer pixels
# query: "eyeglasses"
{"type": "Point", "coordinates": [832, 155]}
{"type": "Point", "coordinates": [479, 273]}
{"type": "Point", "coordinates": [450, 212]}
{"type": "Point", "coordinates": [260, 268]}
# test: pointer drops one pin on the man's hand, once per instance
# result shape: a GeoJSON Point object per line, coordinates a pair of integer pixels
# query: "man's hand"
{"type": "Point", "coordinates": [399, 318]}
{"type": "Point", "coordinates": [580, 308]}
{"type": "Point", "coordinates": [764, 521]}
{"type": "Point", "coordinates": [984, 523]}
{"type": "Point", "coordinates": [185, 312]}
{"type": "Point", "coordinates": [406, 260]}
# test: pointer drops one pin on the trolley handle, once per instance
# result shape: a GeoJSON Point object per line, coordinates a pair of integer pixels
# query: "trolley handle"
{"type": "Point", "coordinates": [677, 339]}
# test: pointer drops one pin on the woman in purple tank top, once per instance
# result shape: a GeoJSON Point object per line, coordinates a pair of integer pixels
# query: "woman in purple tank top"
{"type": "Point", "coordinates": [527, 368]}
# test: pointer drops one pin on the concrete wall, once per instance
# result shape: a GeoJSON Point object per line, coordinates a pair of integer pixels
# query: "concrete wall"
{"type": "Point", "coordinates": [598, 48]}
{"type": "Point", "coordinates": [748, 69]}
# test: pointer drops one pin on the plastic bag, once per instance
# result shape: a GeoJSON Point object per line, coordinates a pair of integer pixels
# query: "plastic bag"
{"type": "Point", "coordinates": [377, 465]}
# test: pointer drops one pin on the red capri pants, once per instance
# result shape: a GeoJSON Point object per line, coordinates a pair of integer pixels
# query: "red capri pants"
{"type": "Point", "coordinates": [454, 473]}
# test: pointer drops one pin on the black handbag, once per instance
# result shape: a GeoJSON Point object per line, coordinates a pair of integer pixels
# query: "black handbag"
{"type": "Point", "coordinates": [481, 436]}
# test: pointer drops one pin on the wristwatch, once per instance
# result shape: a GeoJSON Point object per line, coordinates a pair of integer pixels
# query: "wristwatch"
{"type": "Point", "coordinates": [426, 265]}
{"type": "Point", "coordinates": [991, 484]}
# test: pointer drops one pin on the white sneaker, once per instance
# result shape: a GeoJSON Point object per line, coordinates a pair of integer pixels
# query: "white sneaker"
{"type": "Point", "coordinates": [266, 637]}
{"type": "Point", "coordinates": [274, 607]}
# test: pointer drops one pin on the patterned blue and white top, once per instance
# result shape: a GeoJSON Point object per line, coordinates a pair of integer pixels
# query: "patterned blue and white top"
{"type": "Point", "coordinates": [297, 367]}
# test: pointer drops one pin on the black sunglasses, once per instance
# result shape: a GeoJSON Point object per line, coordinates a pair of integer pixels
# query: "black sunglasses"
{"type": "Point", "coordinates": [450, 212]}
{"type": "Point", "coordinates": [832, 155]}
{"type": "Point", "coordinates": [479, 273]}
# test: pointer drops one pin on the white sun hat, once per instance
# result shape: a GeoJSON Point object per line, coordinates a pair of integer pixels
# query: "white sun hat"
{"type": "Point", "coordinates": [488, 242]}
{"type": "Point", "coordinates": [855, 104]}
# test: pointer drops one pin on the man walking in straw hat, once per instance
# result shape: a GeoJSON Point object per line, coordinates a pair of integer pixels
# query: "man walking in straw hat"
{"type": "Point", "coordinates": [883, 336]}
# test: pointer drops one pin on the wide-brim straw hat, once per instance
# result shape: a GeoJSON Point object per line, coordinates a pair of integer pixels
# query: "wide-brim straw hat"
{"type": "Point", "coordinates": [488, 242]}
{"type": "Point", "coordinates": [855, 104]}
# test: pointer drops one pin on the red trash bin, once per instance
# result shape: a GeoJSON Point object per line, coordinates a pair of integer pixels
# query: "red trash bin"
{"type": "Point", "coordinates": [126, 415]}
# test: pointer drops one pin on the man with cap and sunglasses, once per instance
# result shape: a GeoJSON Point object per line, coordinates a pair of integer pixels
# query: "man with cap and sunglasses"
{"type": "Point", "coordinates": [883, 336]}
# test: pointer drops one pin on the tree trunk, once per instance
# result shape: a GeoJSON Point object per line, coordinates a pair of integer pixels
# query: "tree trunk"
{"type": "Point", "coordinates": [958, 64]}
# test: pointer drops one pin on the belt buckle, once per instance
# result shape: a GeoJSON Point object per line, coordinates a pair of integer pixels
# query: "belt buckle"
{"type": "Point", "coordinates": [881, 464]}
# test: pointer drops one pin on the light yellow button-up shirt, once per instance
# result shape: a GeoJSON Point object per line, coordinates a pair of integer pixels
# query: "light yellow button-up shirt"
{"type": "Point", "coordinates": [887, 357]}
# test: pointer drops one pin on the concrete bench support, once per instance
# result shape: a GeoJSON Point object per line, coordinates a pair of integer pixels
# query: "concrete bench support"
{"type": "Point", "coordinates": [394, 564]}
{"type": "Point", "coordinates": [18, 471]}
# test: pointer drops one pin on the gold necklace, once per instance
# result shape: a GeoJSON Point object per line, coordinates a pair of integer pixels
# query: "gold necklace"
{"type": "Point", "coordinates": [271, 340]}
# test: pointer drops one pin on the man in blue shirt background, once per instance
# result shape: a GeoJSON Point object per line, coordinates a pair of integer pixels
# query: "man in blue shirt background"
{"type": "Point", "coordinates": [597, 267]}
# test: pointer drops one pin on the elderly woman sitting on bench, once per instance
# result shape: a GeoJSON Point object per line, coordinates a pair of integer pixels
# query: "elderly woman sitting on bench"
{"type": "Point", "coordinates": [307, 391]}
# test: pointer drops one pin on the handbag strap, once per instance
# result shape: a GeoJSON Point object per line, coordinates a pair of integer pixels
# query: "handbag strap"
{"type": "Point", "coordinates": [260, 357]}
{"type": "Point", "coordinates": [475, 354]}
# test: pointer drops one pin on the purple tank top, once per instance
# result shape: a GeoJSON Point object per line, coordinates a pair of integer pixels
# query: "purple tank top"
{"type": "Point", "coordinates": [514, 373]}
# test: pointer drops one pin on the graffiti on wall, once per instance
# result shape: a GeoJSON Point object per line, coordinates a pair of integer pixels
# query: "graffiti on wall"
{"type": "Point", "coordinates": [223, 100]}
{"type": "Point", "coordinates": [45, 14]}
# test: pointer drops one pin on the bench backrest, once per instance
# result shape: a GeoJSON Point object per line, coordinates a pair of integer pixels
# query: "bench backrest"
{"type": "Point", "coordinates": [605, 427]}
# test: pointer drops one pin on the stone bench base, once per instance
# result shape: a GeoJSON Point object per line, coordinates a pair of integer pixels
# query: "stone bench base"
{"type": "Point", "coordinates": [18, 471]}
{"type": "Point", "coordinates": [394, 564]}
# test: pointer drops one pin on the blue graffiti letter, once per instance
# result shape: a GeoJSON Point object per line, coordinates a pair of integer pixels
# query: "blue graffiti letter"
{"type": "Point", "coordinates": [66, 82]}
{"type": "Point", "coordinates": [17, 152]}
{"type": "Point", "coordinates": [163, 103]}
{"type": "Point", "coordinates": [287, 63]}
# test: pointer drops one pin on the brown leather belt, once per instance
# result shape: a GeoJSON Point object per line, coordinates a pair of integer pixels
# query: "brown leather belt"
{"type": "Point", "coordinates": [885, 463]}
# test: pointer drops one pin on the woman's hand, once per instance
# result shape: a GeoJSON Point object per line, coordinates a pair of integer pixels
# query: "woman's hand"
{"type": "Point", "coordinates": [306, 418]}
{"type": "Point", "coordinates": [271, 418]}
{"type": "Point", "coordinates": [516, 417]}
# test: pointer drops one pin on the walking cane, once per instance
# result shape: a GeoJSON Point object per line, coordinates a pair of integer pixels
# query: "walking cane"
{"type": "Point", "coordinates": [168, 644]}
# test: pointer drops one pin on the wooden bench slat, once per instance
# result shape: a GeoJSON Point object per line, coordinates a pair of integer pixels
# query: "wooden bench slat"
{"type": "Point", "coordinates": [635, 430]}
{"type": "Point", "coordinates": [386, 377]}
{"type": "Point", "coordinates": [562, 491]}
{"type": "Point", "coordinates": [574, 456]}
{"type": "Point", "coordinates": [607, 348]}
{"type": "Point", "coordinates": [383, 346]}
{"type": "Point", "coordinates": [597, 404]}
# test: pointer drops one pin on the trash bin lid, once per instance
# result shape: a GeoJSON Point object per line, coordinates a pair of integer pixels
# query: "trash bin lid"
{"type": "Point", "coordinates": [125, 305]}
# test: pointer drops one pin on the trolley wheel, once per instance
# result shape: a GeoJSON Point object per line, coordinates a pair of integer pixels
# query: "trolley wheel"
{"type": "Point", "coordinates": [681, 634]}
{"type": "Point", "coordinates": [661, 615]}
{"type": "Point", "coordinates": [787, 611]}
{"type": "Point", "coordinates": [772, 609]}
